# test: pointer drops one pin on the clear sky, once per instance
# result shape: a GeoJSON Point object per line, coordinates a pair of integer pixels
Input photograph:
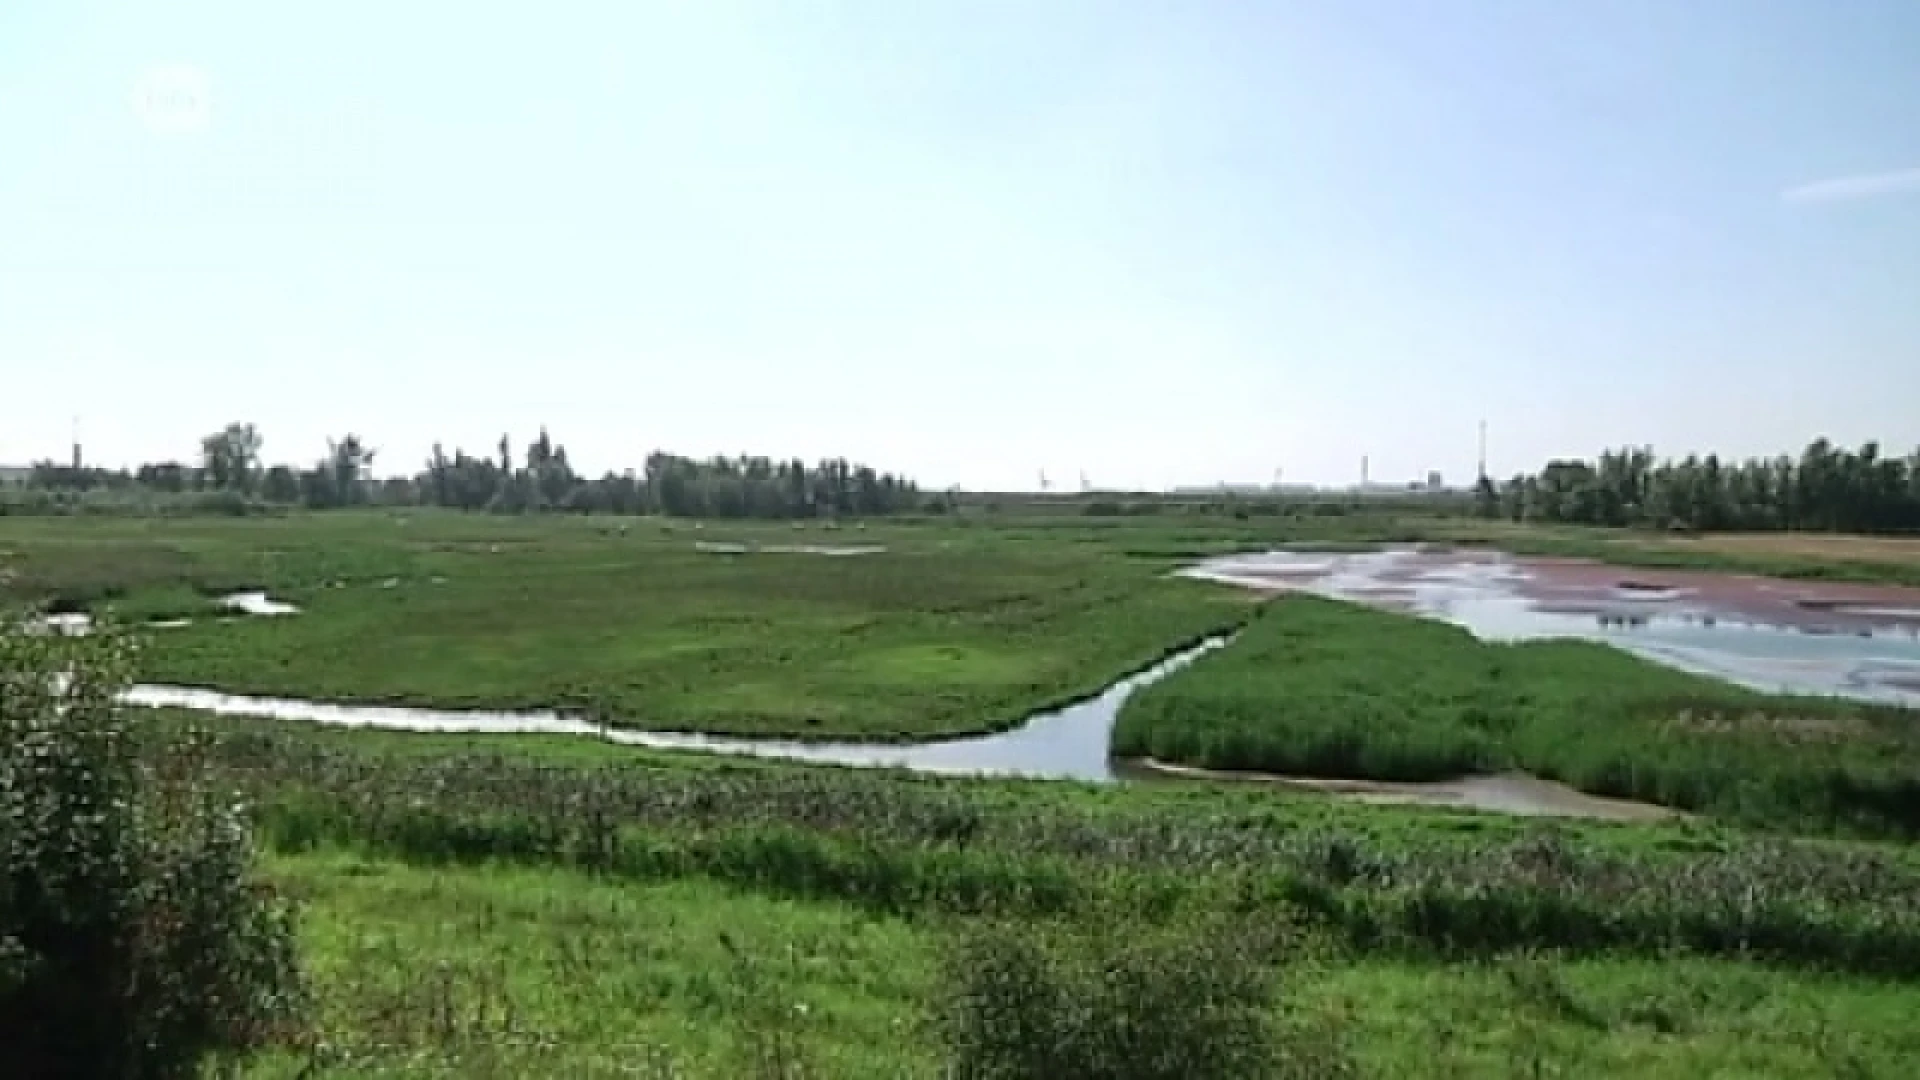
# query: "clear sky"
{"type": "Point", "coordinates": [1163, 242]}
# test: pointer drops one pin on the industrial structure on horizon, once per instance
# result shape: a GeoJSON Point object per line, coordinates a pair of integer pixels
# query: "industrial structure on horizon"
{"type": "Point", "coordinates": [1434, 483]}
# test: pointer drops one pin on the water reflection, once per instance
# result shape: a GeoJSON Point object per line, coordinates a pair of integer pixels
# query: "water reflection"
{"type": "Point", "coordinates": [1065, 743]}
{"type": "Point", "coordinates": [1857, 651]}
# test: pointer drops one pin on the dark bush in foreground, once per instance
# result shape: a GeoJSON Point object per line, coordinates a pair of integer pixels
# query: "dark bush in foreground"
{"type": "Point", "coordinates": [1132, 1003]}
{"type": "Point", "coordinates": [133, 943]}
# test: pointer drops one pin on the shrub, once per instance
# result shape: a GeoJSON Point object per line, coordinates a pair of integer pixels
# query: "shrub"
{"type": "Point", "coordinates": [133, 943]}
{"type": "Point", "coordinates": [1128, 1002]}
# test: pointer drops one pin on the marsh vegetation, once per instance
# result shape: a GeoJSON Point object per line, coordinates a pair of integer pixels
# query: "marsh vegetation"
{"type": "Point", "coordinates": [515, 905]}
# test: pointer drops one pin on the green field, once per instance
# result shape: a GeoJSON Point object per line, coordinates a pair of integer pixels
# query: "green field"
{"type": "Point", "coordinates": [514, 905]}
{"type": "Point", "coordinates": [515, 972]}
{"type": "Point", "coordinates": [575, 908]}
{"type": "Point", "coordinates": [947, 631]}
{"type": "Point", "coordinates": [961, 625]}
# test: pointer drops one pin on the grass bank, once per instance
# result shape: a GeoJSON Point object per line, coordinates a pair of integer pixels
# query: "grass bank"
{"type": "Point", "coordinates": [1384, 882]}
{"type": "Point", "coordinates": [1321, 688]}
{"type": "Point", "coordinates": [499, 972]}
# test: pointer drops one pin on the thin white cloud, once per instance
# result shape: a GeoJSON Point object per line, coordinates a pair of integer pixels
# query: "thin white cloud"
{"type": "Point", "coordinates": [1861, 186]}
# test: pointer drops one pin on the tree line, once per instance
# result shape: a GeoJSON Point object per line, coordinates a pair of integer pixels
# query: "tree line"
{"type": "Point", "coordinates": [230, 474]}
{"type": "Point", "coordinates": [1827, 488]}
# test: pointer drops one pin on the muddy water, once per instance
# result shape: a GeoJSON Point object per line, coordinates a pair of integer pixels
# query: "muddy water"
{"type": "Point", "coordinates": [1066, 743]}
{"type": "Point", "coordinates": [1852, 641]}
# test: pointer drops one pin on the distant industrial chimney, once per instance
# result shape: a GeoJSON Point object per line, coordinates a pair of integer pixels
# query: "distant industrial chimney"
{"type": "Point", "coordinates": [76, 444]}
{"type": "Point", "coordinates": [1363, 470]}
{"type": "Point", "coordinates": [1483, 449]}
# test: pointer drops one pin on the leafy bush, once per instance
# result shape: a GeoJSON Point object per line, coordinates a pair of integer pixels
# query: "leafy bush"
{"type": "Point", "coordinates": [133, 942]}
{"type": "Point", "coordinates": [1111, 1003]}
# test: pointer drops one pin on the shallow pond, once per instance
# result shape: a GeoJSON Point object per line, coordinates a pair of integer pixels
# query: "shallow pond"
{"type": "Point", "coordinates": [1852, 641]}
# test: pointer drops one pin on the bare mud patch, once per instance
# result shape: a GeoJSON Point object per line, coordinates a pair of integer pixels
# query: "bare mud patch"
{"type": "Point", "coordinates": [1516, 793]}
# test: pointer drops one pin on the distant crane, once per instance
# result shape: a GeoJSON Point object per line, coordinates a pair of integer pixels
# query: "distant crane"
{"type": "Point", "coordinates": [1044, 486]}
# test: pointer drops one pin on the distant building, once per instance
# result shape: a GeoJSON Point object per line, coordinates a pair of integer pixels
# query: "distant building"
{"type": "Point", "coordinates": [15, 475]}
{"type": "Point", "coordinates": [1435, 482]}
{"type": "Point", "coordinates": [1244, 489]}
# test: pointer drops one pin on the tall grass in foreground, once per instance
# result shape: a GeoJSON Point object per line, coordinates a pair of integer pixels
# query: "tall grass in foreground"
{"type": "Point", "coordinates": [1322, 688]}
{"type": "Point", "coordinates": [895, 844]}
{"type": "Point", "coordinates": [500, 973]}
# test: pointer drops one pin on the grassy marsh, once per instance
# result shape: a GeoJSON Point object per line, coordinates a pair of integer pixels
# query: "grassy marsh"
{"type": "Point", "coordinates": [1322, 688]}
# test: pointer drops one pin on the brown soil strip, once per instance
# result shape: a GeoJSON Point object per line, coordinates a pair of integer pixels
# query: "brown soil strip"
{"type": "Point", "coordinates": [1505, 793]}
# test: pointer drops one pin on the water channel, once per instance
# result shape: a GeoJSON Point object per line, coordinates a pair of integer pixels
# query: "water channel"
{"type": "Point", "coordinates": [1064, 743]}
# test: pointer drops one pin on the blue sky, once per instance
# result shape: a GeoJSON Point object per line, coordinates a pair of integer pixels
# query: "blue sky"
{"type": "Point", "coordinates": [1161, 242]}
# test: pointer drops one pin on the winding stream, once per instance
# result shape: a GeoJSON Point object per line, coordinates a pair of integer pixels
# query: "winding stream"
{"type": "Point", "coordinates": [1069, 742]}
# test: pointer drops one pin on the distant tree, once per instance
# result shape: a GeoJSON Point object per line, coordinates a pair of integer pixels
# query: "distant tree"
{"type": "Point", "coordinates": [281, 485]}
{"type": "Point", "coordinates": [349, 462]}
{"type": "Point", "coordinates": [395, 491]}
{"type": "Point", "coordinates": [439, 487]}
{"type": "Point", "coordinates": [1486, 501]}
{"type": "Point", "coordinates": [228, 457]}
{"type": "Point", "coordinates": [552, 477]}
{"type": "Point", "coordinates": [741, 486]}
{"type": "Point", "coordinates": [167, 476]}
{"type": "Point", "coordinates": [1827, 487]}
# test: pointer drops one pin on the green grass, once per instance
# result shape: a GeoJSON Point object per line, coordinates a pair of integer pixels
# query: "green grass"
{"type": "Point", "coordinates": [510, 973]}
{"type": "Point", "coordinates": [518, 972]}
{"type": "Point", "coordinates": [949, 631]}
{"type": "Point", "coordinates": [1386, 882]}
{"type": "Point", "coordinates": [1678, 1019]}
{"type": "Point", "coordinates": [306, 754]}
{"type": "Point", "coordinates": [963, 625]}
{"type": "Point", "coordinates": [1323, 688]}
{"type": "Point", "coordinates": [509, 906]}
